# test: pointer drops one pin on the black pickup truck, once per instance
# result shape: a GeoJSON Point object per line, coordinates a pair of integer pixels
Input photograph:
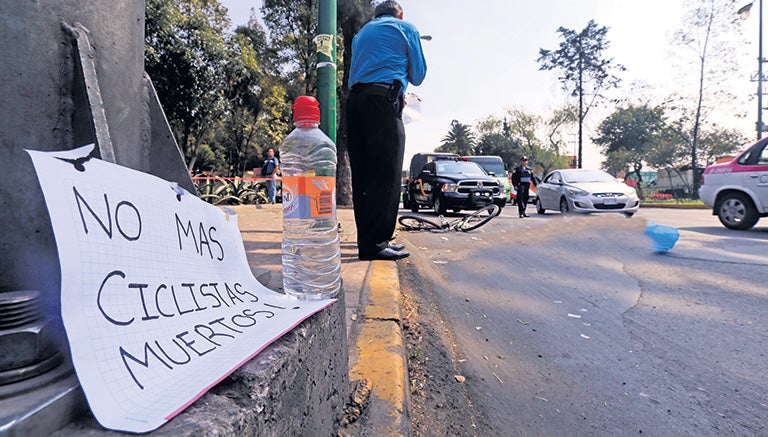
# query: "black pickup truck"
{"type": "Point", "coordinates": [451, 184]}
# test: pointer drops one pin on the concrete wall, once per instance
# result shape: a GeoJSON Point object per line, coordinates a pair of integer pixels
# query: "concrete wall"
{"type": "Point", "coordinates": [45, 107]}
{"type": "Point", "coordinates": [295, 387]}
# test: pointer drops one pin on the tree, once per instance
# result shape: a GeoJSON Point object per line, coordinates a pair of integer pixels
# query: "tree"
{"type": "Point", "coordinates": [459, 140]}
{"type": "Point", "coordinates": [717, 142]}
{"type": "Point", "coordinates": [630, 134]}
{"type": "Point", "coordinates": [585, 71]}
{"type": "Point", "coordinates": [244, 95]}
{"type": "Point", "coordinates": [707, 32]}
{"type": "Point", "coordinates": [560, 118]}
{"type": "Point", "coordinates": [185, 55]}
{"type": "Point", "coordinates": [292, 27]}
{"type": "Point", "coordinates": [352, 15]}
{"type": "Point", "coordinates": [514, 136]}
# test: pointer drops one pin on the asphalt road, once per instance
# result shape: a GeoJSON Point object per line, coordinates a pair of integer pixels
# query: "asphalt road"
{"type": "Point", "coordinates": [570, 325]}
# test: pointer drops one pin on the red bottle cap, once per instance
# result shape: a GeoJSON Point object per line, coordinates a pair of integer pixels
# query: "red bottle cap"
{"type": "Point", "coordinates": [306, 109]}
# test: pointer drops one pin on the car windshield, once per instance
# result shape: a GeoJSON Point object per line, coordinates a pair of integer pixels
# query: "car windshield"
{"type": "Point", "coordinates": [496, 168]}
{"type": "Point", "coordinates": [587, 176]}
{"type": "Point", "coordinates": [453, 167]}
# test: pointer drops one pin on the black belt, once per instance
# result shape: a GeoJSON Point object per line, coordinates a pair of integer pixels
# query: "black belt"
{"type": "Point", "coordinates": [391, 91]}
{"type": "Point", "coordinates": [361, 85]}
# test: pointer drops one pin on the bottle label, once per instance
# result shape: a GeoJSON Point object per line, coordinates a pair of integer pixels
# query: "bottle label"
{"type": "Point", "coordinates": [306, 197]}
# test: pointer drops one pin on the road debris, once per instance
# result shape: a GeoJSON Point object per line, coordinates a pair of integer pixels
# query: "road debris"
{"type": "Point", "coordinates": [440, 262]}
{"type": "Point", "coordinates": [460, 378]}
{"type": "Point", "coordinates": [497, 377]}
{"type": "Point", "coordinates": [521, 322]}
{"type": "Point", "coordinates": [585, 336]}
{"type": "Point", "coordinates": [575, 316]}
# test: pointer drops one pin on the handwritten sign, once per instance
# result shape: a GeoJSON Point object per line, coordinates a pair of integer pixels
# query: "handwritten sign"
{"type": "Point", "coordinates": [157, 298]}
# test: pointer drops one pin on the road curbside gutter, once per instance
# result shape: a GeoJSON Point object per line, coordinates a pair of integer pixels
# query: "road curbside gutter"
{"type": "Point", "coordinates": [381, 357]}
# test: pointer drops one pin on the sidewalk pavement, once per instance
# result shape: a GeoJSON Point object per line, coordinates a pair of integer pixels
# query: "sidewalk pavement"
{"type": "Point", "coordinates": [373, 317]}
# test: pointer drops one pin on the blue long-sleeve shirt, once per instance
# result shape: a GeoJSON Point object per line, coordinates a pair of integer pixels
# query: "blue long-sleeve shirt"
{"type": "Point", "coordinates": [385, 49]}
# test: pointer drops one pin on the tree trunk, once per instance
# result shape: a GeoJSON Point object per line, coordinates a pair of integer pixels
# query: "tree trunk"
{"type": "Point", "coordinates": [343, 170]}
{"type": "Point", "coordinates": [581, 112]}
{"type": "Point", "coordinates": [352, 15]}
{"type": "Point", "coordinates": [697, 121]}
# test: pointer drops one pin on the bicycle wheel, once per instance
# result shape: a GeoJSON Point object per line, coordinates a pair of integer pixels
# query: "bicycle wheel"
{"type": "Point", "coordinates": [478, 218]}
{"type": "Point", "coordinates": [416, 223]}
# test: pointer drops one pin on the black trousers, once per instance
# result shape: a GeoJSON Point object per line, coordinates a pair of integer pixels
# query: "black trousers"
{"type": "Point", "coordinates": [376, 144]}
{"type": "Point", "coordinates": [522, 196]}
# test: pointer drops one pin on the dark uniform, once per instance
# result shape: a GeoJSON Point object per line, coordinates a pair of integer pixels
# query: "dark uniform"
{"type": "Point", "coordinates": [386, 57]}
{"type": "Point", "coordinates": [522, 177]}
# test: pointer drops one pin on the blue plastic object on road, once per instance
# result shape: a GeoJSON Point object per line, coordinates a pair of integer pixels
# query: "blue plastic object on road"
{"type": "Point", "coordinates": [663, 237]}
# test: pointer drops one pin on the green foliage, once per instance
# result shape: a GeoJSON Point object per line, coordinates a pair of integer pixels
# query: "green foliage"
{"type": "Point", "coordinates": [219, 191]}
{"type": "Point", "coordinates": [629, 135]}
{"type": "Point", "coordinates": [459, 140]}
{"type": "Point", "coordinates": [719, 142]}
{"type": "Point", "coordinates": [293, 25]}
{"type": "Point", "coordinates": [209, 160]}
{"type": "Point", "coordinates": [185, 55]}
{"type": "Point", "coordinates": [512, 137]}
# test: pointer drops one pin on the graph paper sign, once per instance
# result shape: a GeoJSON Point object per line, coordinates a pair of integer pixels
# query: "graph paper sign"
{"type": "Point", "coordinates": [157, 298]}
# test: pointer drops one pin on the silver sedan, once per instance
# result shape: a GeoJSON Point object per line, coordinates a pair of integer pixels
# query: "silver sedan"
{"type": "Point", "coordinates": [580, 190]}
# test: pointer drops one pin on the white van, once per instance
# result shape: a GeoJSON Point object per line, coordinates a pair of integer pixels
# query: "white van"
{"type": "Point", "coordinates": [494, 166]}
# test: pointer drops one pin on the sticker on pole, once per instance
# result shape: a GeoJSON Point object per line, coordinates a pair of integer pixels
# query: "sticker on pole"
{"type": "Point", "coordinates": [157, 298]}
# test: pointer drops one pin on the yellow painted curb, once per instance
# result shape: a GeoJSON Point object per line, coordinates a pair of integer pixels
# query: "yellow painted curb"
{"type": "Point", "coordinates": [381, 354]}
{"type": "Point", "coordinates": [384, 296]}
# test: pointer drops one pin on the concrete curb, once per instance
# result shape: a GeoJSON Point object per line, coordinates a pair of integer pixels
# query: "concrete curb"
{"type": "Point", "coordinates": [673, 206]}
{"type": "Point", "coordinates": [381, 359]}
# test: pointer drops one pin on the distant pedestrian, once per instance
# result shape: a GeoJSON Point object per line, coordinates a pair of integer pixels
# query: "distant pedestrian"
{"type": "Point", "coordinates": [386, 57]}
{"type": "Point", "coordinates": [269, 170]}
{"type": "Point", "coordinates": [522, 178]}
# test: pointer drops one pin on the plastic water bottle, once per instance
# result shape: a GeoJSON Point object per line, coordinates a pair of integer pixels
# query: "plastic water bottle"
{"type": "Point", "coordinates": [311, 253]}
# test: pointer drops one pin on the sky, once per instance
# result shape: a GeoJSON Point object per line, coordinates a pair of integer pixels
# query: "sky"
{"type": "Point", "coordinates": [482, 59]}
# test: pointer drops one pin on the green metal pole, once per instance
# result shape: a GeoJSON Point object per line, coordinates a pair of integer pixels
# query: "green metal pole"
{"type": "Point", "coordinates": [326, 66]}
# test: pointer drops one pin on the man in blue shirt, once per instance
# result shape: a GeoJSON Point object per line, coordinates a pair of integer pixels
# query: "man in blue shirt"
{"type": "Point", "coordinates": [269, 170]}
{"type": "Point", "coordinates": [386, 57]}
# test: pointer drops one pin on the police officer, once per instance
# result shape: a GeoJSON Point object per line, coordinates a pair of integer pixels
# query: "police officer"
{"type": "Point", "coordinates": [522, 177]}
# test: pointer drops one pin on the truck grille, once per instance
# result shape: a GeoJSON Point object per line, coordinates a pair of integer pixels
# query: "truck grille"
{"type": "Point", "coordinates": [465, 187]}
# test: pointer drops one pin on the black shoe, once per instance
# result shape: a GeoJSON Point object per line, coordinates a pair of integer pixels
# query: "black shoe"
{"type": "Point", "coordinates": [396, 246]}
{"type": "Point", "coordinates": [526, 215]}
{"type": "Point", "coordinates": [385, 254]}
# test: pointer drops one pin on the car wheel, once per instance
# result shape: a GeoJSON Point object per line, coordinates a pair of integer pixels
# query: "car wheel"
{"type": "Point", "coordinates": [539, 207]}
{"type": "Point", "coordinates": [629, 214]}
{"type": "Point", "coordinates": [564, 205]}
{"type": "Point", "coordinates": [736, 211]}
{"type": "Point", "coordinates": [438, 206]}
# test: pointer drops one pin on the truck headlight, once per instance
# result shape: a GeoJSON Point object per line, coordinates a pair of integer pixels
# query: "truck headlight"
{"type": "Point", "coordinates": [450, 188]}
